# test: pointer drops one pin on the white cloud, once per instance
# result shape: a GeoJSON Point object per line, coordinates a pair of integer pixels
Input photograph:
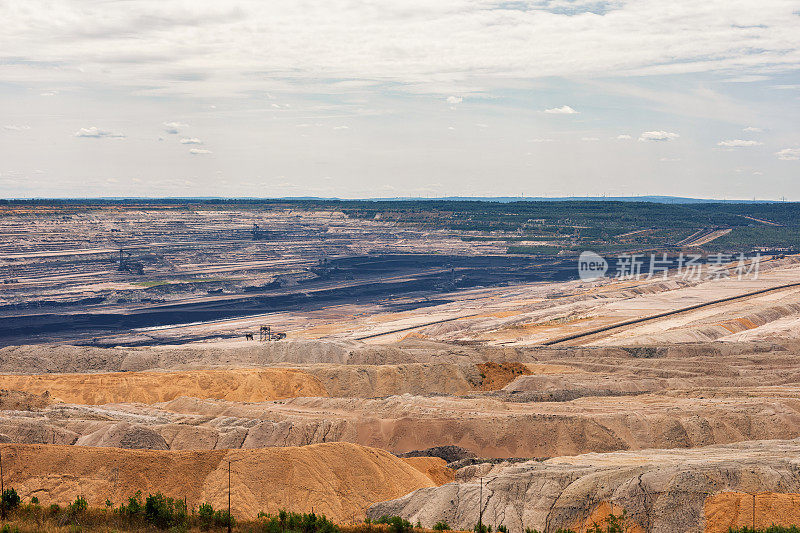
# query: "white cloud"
{"type": "Point", "coordinates": [590, 139]}
{"type": "Point", "coordinates": [437, 44]}
{"type": "Point", "coordinates": [347, 62]}
{"type": "Point", "coordinates": [658, 136]}
{"type": "Point", "coordinates": [96, 133]}
{"type": "Point", "coordinates": [174, 128]}
{"type": "Point", "coordinates": [191, 140]}
{"type": "Point", "coordinates": [454, 99]}
{"type": "Point", "coordinates": [199, 151]}
{"type": "Point", "coordinates": [752, 129]}
{"type": "Point", "coordinates": [669, 159]}
{"type": "Point", "coordinates": [314, 40]}
{"type": "Point", "coordinates": [624, 137]}
{"type": "Point", "coordinates": [789, 154]}
{"type": "Point", "coordinates": [563, 110]}
{"type": "Point", "coordinates": [736, 143]}
{"type": "Point", "coordinates": [342, 127]}
{"type": "Point", "coordinates": [747, 79]}
{"type": "Point", "coordinates": [16, 127]}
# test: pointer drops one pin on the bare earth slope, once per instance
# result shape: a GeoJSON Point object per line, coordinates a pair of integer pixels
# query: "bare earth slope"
{"type": "Point", "coordinates": [574, 400]}
{"type": "Point", "coordinates": [339, 480]}
{"type": "Point", "coordinates": [663, 491]}
{"type": "Point", "coordinates": [151, 387]}
{"type": "Point", "coordinates": [684, 415]}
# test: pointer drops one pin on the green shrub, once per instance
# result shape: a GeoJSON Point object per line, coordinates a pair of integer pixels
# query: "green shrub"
{"type": "Point", "coordinates": [10, 499]}
{"type": "Point", "coordinates": [396, 524]}
{"type": "Point", "coordinates": [502, 529]}
{"type": "Point", "coordinates": [441, 526]}
{"type": "Point", "coordinates": [205, 514]}
{"type": "Point", "coordinates": [79, 506]}
{"type": "Point", "coordinates": [164, 512]}
{"type": "Point", "coordinates": [286, 521]}
{"type": "Point", "coordinates": [134, 507]}
{"type": "Point", "coordinates": [223, 519]}
{"type": "Point", "coordinates": [614, 524]}
{"type": "Point", "coordinates": [54, 509]}
{"type": "Point", "coordinates": [210, 518]}
{"type": "Point", "coordinates": [34, 500]}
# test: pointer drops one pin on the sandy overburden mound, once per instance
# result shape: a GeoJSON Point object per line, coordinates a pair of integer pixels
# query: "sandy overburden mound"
{"type": "Point", "coordinates": [340, 480]}
{"type": "Point", "coordinates": [42, 359]}
{"type": "Point", "coordinates": [735, 509]}
{"type": "Point", "coordinates": [239, 385]}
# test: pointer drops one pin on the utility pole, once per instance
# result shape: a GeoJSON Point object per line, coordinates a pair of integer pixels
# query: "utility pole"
{"type": "Point", "coordinates": [754, 511]}
{"type": "Point", "coordinates": [230, 518]}
{"type": "Point", "coordinates": [480, 509]}
{"type": "Point", "coordinates": [2, 489]}
{"type": "Point", "coordinates": [229, 497]}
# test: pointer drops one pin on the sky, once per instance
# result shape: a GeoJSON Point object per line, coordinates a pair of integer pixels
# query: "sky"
{"type": "Point", "coordinates": [428, 98]}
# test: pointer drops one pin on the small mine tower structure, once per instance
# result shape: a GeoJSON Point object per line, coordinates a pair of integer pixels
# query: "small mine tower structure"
{"type": "Point", "coordinates": [258, 233]}
{"type": "Point", "coordinates": [127, 265]}
{"type": "Point", "coordinates": [265, 333]}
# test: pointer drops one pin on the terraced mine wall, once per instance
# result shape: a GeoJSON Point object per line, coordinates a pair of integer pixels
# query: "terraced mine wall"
{"type": "Point", "coordinates": [343, 280]}
{"type": "Point", "coordinates": [662, 491]}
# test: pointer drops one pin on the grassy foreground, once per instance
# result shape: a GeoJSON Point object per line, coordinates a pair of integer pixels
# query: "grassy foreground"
{"type": "Point", "coordinates": [160, 513]}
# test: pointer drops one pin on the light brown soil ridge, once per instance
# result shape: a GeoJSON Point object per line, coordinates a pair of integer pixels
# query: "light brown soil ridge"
{"type": "Point", "coordinates": [240, 385]}
{"type": "Point", "coordinates": [735, 510]}
{"type": "Point", "coordinates": [433, 467]}
{"type": "Point", "coordinates": [21, 400]}
{"type": "Point", "coordinates": [338, 479]}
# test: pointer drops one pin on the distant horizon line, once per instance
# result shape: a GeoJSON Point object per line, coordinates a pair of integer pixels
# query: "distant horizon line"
{"type": "Point", "coordinates": [499, 199]}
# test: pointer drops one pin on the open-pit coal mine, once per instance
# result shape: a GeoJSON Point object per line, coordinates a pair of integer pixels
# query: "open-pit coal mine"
{"type": "Point", "coordinates": [363, 365]}
{"type": "Point", "coordinates": [371, 279]}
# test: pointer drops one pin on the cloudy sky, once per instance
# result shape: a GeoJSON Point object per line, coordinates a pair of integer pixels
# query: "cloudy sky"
{"type": "Point", "coordinates": [366, 98]}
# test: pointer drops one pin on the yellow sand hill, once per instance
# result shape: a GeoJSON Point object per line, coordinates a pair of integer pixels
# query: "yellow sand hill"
{"type": "Point", "coordinates": [239, 385]}
{"type": "Point", "coordinates": [338, 479]}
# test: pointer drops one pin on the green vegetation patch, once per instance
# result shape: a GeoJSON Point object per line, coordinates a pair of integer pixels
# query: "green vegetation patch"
{"type": "Point", "coordinates": [771, 529]}
{"type": "Point", "coordinates": [534, 250]}
{"type": "Point", "coordinates": [758, 237]}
